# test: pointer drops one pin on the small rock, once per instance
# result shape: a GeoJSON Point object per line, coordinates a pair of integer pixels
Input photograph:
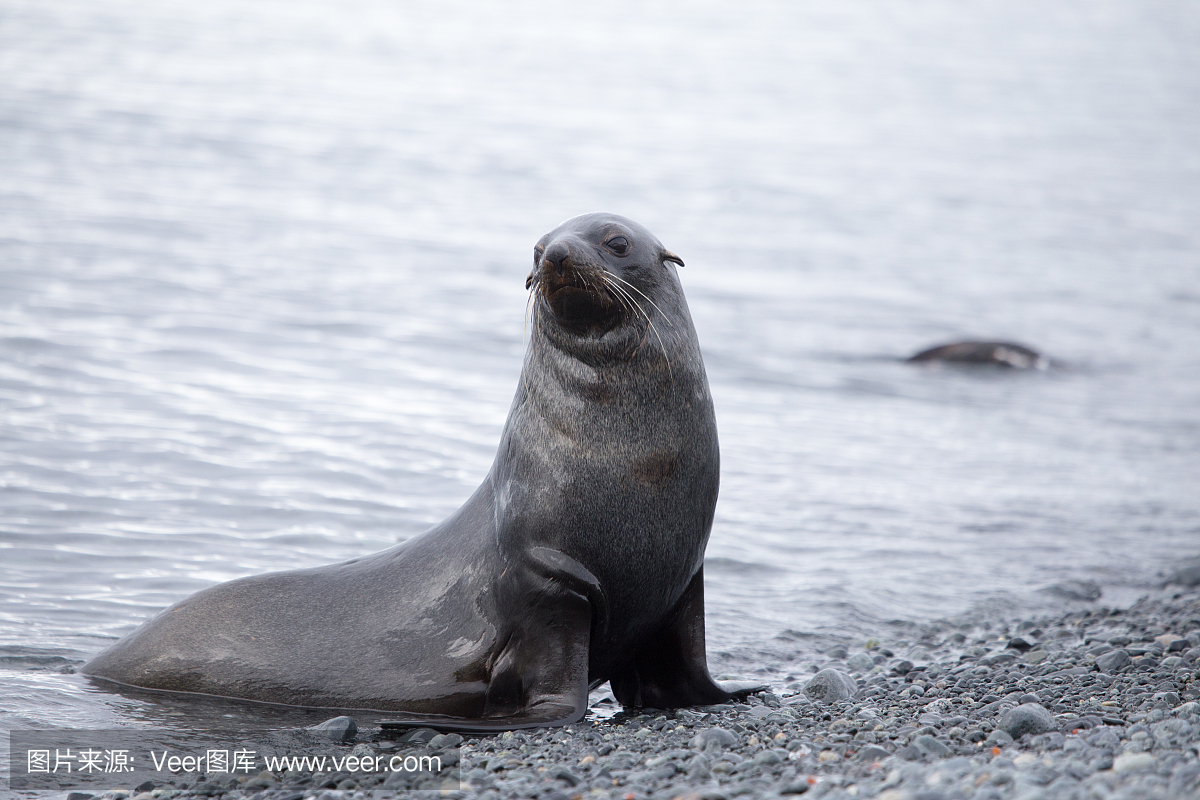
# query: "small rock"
{"type": "Point", "coordinates": [1035, 656]}
{"type": "Point", "coordinates": [418, 736]}
{"type": "Point", "coordinates": [930, 745]}
{"type": "Point", "coordinates": [445, 740]}
{"type": "Point", "coordinates": [903, 667]}
{"type": "Point", "coordinates": [1111, 662]}
{"type": "Point", "coordinates": [563, 774]}
{"type": "Point", "coordinates": [768, 757]}
{"type": "Point", "coordinates": [872, 753]}
{"type": "Point", "coordinates": [713, 739]}
{"type": "Point", "coordinates": [1027, 718]}
{"type": "Point", "coordinates": [860, 661]}
{"type": "Point", "coordinates": [1132, 762]}
{"type": "Point", "coordinates": [145, 786]}
{"type": "Point", "coordinates": [830, 686]}
{"type": "Point", "coordinates": [1017, 643]}
{"type": "Point", "coordinates": [339, 729]}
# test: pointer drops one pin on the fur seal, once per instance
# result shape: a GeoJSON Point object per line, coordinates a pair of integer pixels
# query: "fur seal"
{"type": "Point", "coordinates": [1000, 354]}
{"type": "Point", "coordinates": [579, 560]}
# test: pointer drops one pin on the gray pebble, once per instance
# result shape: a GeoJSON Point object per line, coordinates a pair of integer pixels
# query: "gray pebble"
{"type": "Point", "coordinates": [1133, 762]}
{"type": "Point", "coordinates": [930, 745]}
{"type": "Point", "coordinates": [860, 661]}
{"type": "Point", "coordinates": [1027, 718]}
{"type": "Point", "coordinates": [563, 774]}
{"type": "Point", "coordinates": [872, 753]}
{"type": "Point", "coordinates": [339, 729]}
{"type": "Point", "coordinates": [769, 757]}
{"type": "Point", "coordinates": [445, 740]}
{"type": "Point", "coordinates": [418, 736]}
{"type": "Point", "coordinates": [831, 686]}
{"type": "Point", "coordinates": [1111, 662]}
{"type": "Point", "coordinates": [714, 739]}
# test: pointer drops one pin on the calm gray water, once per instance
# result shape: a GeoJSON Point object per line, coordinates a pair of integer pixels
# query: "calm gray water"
{"type": "Point", "coordinates": [261, 292]}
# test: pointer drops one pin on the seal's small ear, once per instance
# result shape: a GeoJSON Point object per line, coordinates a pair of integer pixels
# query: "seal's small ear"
{"type": "Point", "coordinates": [669, 256]}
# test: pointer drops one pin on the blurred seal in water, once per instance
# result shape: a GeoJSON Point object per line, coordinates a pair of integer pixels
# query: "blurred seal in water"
{"type": "Point", "coordinates": [577, 561]}
{"type": "Point", "coordinates": [1000, 354]}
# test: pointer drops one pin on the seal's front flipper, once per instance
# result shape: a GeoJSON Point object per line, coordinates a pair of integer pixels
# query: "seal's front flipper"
{"type": "Point", "coordinates": [539, 676]}
{"type": "Point", "coordinates": [670, 667]}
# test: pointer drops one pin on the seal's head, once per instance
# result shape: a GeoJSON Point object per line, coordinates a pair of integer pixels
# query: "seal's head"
{"type": "Point", "coordinates": [597, 271]}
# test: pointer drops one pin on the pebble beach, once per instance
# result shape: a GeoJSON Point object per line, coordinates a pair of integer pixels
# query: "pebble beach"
{"type": "Point", "coordinates": [1092, 703]}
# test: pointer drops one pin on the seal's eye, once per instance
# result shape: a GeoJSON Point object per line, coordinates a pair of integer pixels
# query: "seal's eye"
{"type": "Point", "coordinates": [537, 253]}
{"type": "Point", "coordinates": [618, 244]}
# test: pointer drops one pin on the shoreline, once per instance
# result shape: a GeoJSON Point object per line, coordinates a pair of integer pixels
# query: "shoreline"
{"type": "Point", "coordinates": [1091, 703]}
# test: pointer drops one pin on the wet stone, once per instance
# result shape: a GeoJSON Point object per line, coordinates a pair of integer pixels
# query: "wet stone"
{"type": "Point", "coordinates": [769, 757]}
{"type": "Point", "coordinates": [1111, 662]}
{"type": "Point", "coordinates": [418, 736]}
{"type": "Point", "coordinates": [445, 740]}
{"type": "Point", "coordinates": [338, 729]}
{"type": "Point", "coordinates": [830, 686]}
{"type": "Point", "coordinates": [930, 745]}
{"type": "Point", "coordinates": [860, 662]}
{"type": "Point", "coordinates": [714, 739]}
{"type": "Point", "coordinates": [1027, 718]}
{"type": "Point", "coordinates": [1133, 762]}
{"type": "Point", "coordinates": [872, 753]}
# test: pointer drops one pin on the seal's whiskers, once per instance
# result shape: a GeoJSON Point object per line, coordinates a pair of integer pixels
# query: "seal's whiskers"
{"type": "Point", "coordinates": [643, 294]}
{"type": "Point", "coordinates": [650, 326]}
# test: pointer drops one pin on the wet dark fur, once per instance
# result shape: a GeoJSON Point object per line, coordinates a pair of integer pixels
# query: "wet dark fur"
{"type": "Point", "coordinates": [577, 561]}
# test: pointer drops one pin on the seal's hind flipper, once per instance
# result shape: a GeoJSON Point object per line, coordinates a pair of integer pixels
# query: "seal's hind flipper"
{"type": "Point", "coordinates": [670, 668]}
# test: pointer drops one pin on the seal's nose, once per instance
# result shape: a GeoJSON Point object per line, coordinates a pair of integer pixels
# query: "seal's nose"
{"type": "Point", "coordinates": [557, 254]}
